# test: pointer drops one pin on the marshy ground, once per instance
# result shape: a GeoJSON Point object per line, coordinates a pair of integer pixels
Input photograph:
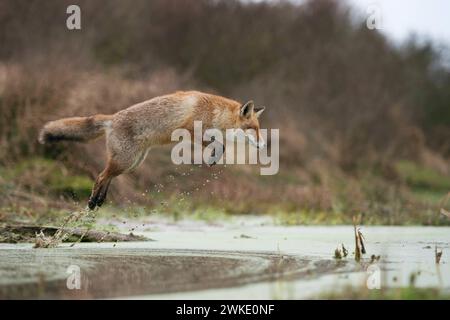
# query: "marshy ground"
{"type": "Point", "coordinates": [241, 258]}
{"type": "Point", "coordinates": [364, 131]}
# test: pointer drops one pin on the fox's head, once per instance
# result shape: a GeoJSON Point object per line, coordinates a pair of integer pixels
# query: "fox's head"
{"type": "Point", "coordinates": [249, 123]}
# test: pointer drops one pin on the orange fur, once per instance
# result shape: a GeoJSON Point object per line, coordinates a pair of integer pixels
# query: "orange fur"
{"type": "Point", "coordinates": [132, 131]}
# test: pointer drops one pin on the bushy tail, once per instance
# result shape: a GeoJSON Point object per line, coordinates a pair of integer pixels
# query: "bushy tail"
{"type": "Point", "coordinates": [81, 129]}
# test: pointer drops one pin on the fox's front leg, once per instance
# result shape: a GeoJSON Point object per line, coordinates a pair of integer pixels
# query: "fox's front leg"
{"type": "Point", "coordinates": [216, 153]}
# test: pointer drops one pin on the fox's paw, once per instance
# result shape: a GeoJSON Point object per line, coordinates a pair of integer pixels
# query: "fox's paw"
{"type": "Point", "coordinates": [210, 164]}
{"type": "Point", "coordinates": [212, 161]}
{"type": "Point", "coordinates": [92, 203]}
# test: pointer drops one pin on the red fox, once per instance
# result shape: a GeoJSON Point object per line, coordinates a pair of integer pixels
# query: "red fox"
{"type": "Point", "coordinates": [132, 131]}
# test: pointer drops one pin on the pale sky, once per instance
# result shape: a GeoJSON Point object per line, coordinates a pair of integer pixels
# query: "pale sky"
{"type": "Point", "coordinates": [401, 18]}
{"type": "Point", "coordinates": [430, 18]}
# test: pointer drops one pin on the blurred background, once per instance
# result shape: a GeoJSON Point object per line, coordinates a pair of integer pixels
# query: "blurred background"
{"type": "Point", "coordinates": [364, 115]}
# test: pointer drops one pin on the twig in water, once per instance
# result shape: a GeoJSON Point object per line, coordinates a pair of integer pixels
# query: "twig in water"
{"type": "Point", "coordinates": [344, 251]}
{"type": "Point", "coordinates": [361, 241]}
{"type": "Point", "coordinates": [337, 253]}
{"type": "Point", "coordinates": [357, 246]}
{"type": "Point", "coordinates": [437, 255]}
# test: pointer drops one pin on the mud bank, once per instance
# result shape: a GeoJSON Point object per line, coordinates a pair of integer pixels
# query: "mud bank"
{"type": "Point", "coordinates": [19, 233]}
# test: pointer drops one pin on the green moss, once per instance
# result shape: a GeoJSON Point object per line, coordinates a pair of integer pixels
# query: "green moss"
{"type": "Point", "coordinates": [422, 178]}
{"type": "Point", "coordinates": [78, 185]}
{"type": "Point", "coordinates": [407, 293]}
{"type": "Point", "coordinates": [54, 175]}
{"type": "Point", "coordinates": [429, 196]}
{"type": "Point", "coordinates": [310, 217]}
{"type": "Point", "coordinates": [209, 214]}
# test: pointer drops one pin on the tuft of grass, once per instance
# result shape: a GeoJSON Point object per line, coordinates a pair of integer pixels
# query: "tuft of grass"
{"type": "Point", "coordinates": [408, 293]}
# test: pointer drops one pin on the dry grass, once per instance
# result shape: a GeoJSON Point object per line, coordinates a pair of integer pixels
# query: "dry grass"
{"type": "Point", "coordinates": [342, 132]}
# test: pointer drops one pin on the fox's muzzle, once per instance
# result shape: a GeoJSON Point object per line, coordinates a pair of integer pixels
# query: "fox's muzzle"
{"type": "Point", "coordinates": [255, 139]}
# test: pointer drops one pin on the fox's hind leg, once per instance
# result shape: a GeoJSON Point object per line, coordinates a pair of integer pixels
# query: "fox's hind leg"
{"type": "Point", "coordinates": [100, 189]}
{"type": "Point", "coordinates": [122, 157]}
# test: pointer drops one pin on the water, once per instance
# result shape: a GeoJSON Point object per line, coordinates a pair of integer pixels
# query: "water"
{"type": "Point", "coordinates": [238, 259]}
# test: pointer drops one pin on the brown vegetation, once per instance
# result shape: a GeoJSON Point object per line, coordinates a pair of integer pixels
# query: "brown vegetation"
{"type": "Point", "coordinates": [350, 105]}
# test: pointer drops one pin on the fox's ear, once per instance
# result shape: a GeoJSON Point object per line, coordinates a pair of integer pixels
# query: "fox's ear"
{"type": "Point", "coordinates": [247, 109]}
{"type": "Point", "coordinates": [259, 111]}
